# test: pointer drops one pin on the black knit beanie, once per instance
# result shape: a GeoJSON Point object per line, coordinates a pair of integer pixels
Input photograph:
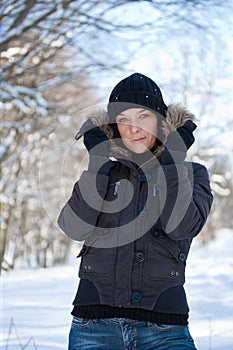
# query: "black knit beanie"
{"type": "Point", "coordinates": [134, 91]}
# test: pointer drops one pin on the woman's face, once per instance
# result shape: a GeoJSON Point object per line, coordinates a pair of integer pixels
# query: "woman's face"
{"type": "Point", "coordinates": [138, 129]}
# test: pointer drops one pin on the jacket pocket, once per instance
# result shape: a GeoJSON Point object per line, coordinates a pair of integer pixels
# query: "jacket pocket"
{"type": "Point", "coordinates": [165, 260]}
{"type": "Point", "coordinates": [97, 261]}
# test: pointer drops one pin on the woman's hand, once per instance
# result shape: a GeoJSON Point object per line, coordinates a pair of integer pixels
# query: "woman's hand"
{"type": "Point", "coordinates": [181, 139]}
{"type": "Point", "coordinates": [178, 142]}
{"type": "Point", "coordinates": [96, 141]}
{"type": "Point", "coordinates": [98, 146]}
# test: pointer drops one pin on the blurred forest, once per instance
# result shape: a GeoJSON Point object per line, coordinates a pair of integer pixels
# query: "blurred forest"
{"type": "Point", "coordinates": [58, 57]}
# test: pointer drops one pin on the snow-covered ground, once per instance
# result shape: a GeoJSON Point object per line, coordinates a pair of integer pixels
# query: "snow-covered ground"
{"type": "Point", "coordinates": [37, 303]}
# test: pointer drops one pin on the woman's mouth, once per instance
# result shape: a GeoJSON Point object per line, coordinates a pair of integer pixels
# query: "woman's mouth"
{"type": "Point", "coordinates": [139, 140]}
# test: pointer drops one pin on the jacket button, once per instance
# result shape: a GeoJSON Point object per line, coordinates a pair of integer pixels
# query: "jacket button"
{"type": "Point", "coordinates": [156, 233]}
{"type": "Point", "coordinates": [145, 177]}
{"type": "Point", "coordinates": [140, 257]}
{"type": "Point", "coordinates": [136, 297]}
{"type": "Point", "coordinates": [143, 215]}
{"type": "Point", "coordinates": [182, 257]}
{"type": "Point", "coordinates": [105, 231]}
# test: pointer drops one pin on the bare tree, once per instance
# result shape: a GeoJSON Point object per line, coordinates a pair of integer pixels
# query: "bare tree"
{"type": "Point", "coordinates": [45, 62]}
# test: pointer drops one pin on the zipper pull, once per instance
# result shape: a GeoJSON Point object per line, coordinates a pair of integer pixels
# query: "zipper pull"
{"type": "Point", "coordinates": [116, 188]}
{"type": "Point", "coordinates": [154, 190]}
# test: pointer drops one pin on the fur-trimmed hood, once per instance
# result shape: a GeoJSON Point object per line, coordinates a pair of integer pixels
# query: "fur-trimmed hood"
{"type": "Point", "coordinates": [176, 116]}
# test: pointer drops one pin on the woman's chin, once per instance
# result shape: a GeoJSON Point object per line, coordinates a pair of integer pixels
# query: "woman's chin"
{"type": "Point", "coordinates": [140, 151]}
{"type": "Point", "coordinates": [137, 148]}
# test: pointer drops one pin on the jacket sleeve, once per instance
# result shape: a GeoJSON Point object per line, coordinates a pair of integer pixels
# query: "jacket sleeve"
{"type": "Point", "coordinates": [186, 196]}
{"type": "Point", "coordinates": [80, 214]}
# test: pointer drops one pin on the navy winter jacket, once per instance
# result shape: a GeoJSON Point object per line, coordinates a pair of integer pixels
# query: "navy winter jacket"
{"type": "Point", "coordinates": [137, 224]}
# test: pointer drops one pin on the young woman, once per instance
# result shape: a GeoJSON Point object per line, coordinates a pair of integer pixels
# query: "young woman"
{"type": "Point", "coordinates": [137, 207]}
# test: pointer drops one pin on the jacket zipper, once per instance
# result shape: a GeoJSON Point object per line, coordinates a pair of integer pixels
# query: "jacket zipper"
{"type": "Point", "coordinates": [154, 190]}
{"type": "Point", "coordinates": [116, 188]}
{"type": "Point", "coordinates": [117, 184]}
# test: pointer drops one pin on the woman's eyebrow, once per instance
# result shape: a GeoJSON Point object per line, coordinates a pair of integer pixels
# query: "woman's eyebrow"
{"type": "Point", "coordinates": [142, 111]}
{"type": "Point", "coordinates": [139, 112]}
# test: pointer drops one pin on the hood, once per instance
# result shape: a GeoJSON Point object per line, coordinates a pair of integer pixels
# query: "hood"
{"type": "Point", "coordinates": [176, 116]}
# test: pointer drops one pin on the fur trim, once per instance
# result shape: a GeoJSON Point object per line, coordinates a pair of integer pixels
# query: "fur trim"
{"type": "Point", "coordinates": [176, 116]}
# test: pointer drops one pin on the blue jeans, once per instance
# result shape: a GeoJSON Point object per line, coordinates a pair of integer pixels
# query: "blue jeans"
{"type": "Point", "coordinates": [126, 334]}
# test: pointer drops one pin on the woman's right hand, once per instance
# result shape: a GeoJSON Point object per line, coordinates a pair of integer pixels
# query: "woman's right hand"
{"type": "Point", "coordinates": [98, 146]}
{"type": "Point", "coordinates": [96, 141]}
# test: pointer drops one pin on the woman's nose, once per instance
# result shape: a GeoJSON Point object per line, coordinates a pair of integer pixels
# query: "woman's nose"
{"type": "Point", "coordinates": [135, 127]}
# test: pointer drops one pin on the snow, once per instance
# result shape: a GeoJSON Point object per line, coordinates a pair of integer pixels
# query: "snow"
{"type": "Point", "coordinates": [39, 301]}
{"type": "Point", "coordinates": [209, 288]}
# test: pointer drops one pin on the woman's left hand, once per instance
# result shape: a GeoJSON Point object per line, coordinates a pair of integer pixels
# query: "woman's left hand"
{"type": "Point", "coordinates": [181, 139]}
{"type": "Point", "coordinates": [178, 142]}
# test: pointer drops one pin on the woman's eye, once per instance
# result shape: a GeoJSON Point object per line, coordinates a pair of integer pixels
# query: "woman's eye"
{"type": "Point", "coordinates": [123, 120]}
{"type": "Point", "coordinates": [144, 115]}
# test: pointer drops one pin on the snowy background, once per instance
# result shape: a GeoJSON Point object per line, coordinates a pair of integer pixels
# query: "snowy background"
{"type": "Point", "coordinates": [59, 58]}
{"type": "Point", "coordinates": [39, 301]}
